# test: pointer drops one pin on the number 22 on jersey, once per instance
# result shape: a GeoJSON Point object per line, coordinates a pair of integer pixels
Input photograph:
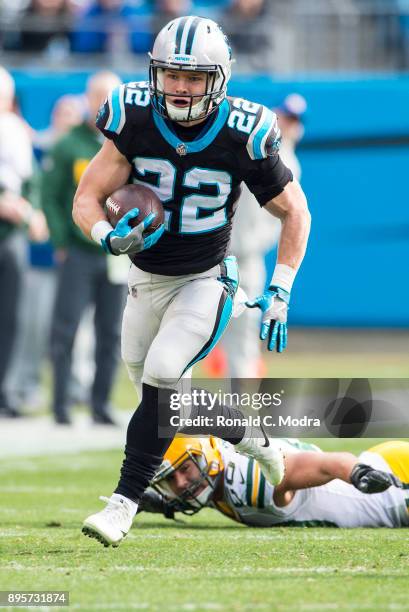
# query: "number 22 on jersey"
{"type": "Point", "coordinates": [198, 213]}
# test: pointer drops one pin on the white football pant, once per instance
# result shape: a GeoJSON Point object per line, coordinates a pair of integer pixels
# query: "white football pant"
{"type": "Point", "coordinates": [171, 322]}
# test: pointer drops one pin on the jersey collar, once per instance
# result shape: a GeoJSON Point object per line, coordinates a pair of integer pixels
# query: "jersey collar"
{"type": "Point", "coordinates": [204, 139]}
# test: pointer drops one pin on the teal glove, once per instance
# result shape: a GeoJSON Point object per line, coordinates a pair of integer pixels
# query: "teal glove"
{"type": "Point", "coordinates": [273, 304]}
{"type": "Point", "coordinates": [127, 240]}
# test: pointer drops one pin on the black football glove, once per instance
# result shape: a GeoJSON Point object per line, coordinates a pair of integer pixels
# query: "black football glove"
{"type": "Point", "coordinates": [151, 501]}
{"type": "Point", "coordinates": [368, 480]}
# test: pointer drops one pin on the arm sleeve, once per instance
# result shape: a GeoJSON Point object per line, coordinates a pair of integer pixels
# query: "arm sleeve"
{"type": "Point", "coordinates": [54, 185]}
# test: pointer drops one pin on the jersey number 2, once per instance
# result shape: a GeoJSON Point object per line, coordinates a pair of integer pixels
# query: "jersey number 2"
{"type": "Point", "coordinates": [198, 213]}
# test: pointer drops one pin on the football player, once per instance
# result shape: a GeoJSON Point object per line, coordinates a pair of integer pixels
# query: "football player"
{"type": "Point", "coordinates": [179, 134]}
{"type": "Point", "coordinates": [316, 490]}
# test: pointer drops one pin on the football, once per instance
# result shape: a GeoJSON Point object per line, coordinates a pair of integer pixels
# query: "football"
{"type": "Point", "coordinates": [134, 196]}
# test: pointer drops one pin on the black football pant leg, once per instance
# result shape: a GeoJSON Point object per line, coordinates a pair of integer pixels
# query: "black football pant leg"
{"type": "Point", "coordinates": [109, 299]}
{"type": "Point", "coordinates": [10, 285]}
{"type": "Point", "coordinates": [83, 279]}
{"type": "Point", "coordinates": [74, 290]}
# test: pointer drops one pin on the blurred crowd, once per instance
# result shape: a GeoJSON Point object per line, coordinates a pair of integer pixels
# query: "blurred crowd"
{"type": "Point", "coordinates": [59, 27]}
{"type": "Point", "coordinates": [62, 296]}
{"type": "Point", "coordinates": [265, 35]}
{"type": "Point", "coordinates": [53, 278]}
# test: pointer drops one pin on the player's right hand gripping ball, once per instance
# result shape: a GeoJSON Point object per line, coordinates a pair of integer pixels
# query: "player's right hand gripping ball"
{"type": "Point", "coordinates": [273, 304]}
{"type": "Point", "coordinates": [369, 480]}
{"type": "Point", "coordinates": [136, 214]}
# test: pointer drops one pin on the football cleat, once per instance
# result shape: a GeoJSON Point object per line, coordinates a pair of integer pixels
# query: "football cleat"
{"type": "Point", "coordinates": [268, 455]}
{"type": "Point", "coordinates": [110, 525]}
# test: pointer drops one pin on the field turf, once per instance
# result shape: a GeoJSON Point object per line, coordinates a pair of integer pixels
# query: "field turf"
{"type": "Point", "coordinates": [206, 562]}
{"type": "Point", "coordinates": [203, 563]}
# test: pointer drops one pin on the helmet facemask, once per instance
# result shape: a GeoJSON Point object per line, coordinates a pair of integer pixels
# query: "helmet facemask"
{"type": "Point", "coordinates": [188, 501]}
{"type": "Point", "coordinates": [200, 106]}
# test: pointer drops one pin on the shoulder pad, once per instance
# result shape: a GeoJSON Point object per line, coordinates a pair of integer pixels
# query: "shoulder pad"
{"type": "Point", "coordinates": [255, 126]}
{"type": "Point", "coordinates": [125, 103]}
{"type": "Point", "coordinates": [137, 94]}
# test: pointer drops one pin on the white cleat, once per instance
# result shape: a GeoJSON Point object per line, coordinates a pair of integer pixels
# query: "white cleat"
{"type": "Point", "coordinates": [268, 455]}
{"type": "Point", "coordinates": [110, 525]}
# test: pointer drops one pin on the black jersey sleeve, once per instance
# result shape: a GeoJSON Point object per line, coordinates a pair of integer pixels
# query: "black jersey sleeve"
{"type": "Point", "coordinates": [256, 135]}
{"type": "Point", "coordinates": [264, 172]}
{"type": "Point", "coordinates": [267, 178]}
{"type": "Point", "coordinates": [123, 113]}
{"type": "Point", "coordinates": [254, 126]}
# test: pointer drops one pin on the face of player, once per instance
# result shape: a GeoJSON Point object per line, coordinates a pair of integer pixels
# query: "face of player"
{"type": "Point", "coordinates": [180, 84]}
{"type": "Point", "coordinates": [185, 477]}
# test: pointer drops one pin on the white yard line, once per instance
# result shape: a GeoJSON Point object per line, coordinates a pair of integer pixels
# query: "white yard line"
{"type": "Point", "coordinates": [311, 570]}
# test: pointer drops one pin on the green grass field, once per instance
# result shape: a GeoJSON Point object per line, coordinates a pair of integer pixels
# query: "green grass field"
{"type": "Point", "coordinates": [205, 562]}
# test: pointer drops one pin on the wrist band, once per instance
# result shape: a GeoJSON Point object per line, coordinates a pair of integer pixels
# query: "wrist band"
{"type": "Point", "coordinates": [283, 277]}
{"type": "Point", "coordinates": [100, 231]}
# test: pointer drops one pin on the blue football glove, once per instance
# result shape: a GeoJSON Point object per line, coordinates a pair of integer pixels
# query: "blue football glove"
{"type": "Point", "coordinates": [127, 240]}
{"type": "Point", "coordinates": [273, 304]}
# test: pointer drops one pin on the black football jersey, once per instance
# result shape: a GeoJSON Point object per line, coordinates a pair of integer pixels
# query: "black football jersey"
{"type": "Point", "coordinates": [198, 181]}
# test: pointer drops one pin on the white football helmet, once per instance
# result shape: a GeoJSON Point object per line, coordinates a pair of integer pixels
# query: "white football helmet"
{"type": "Point", "coordinates": [190, 43]}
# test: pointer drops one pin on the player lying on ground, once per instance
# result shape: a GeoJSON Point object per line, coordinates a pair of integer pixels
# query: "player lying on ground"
{"type": "Point", "coordinates": [319, 488]}
{"type": "Point", "coordinates": [180, 135]}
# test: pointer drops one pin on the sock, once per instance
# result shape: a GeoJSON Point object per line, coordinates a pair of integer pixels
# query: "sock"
{"type": "Point", "coordinates": [230, 433]}
{"type": "Point", "coordinates": [144, 449]}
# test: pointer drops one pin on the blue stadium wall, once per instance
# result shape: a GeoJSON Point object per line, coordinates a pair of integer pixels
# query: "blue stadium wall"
{"type": "Point", "coordinates": [355, 160]}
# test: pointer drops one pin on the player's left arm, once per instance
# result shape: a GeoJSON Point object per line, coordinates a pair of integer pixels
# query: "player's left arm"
{"type": "Point", "coordinates": [290, 206]}
{"type": "Point", "coordinates": [312, 469]}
